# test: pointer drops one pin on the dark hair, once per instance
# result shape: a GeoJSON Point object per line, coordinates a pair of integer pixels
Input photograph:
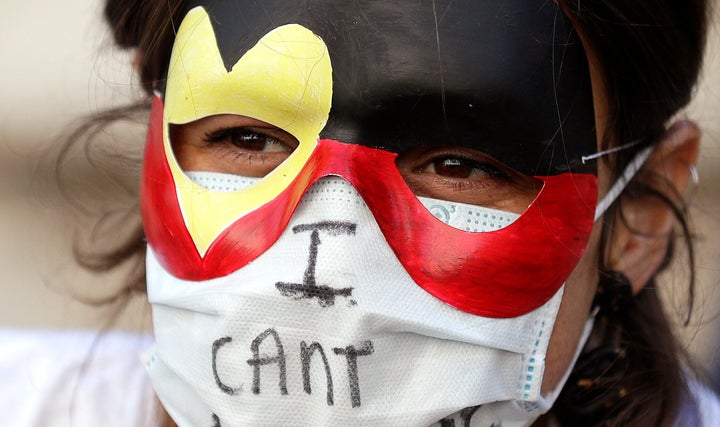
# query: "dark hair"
{"type": "Point", "coordinates": [650, 54]}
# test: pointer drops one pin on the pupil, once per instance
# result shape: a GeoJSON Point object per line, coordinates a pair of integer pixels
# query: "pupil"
{"type": "Point", "coordinates": [453, 168]}
{"type": "Point", "coordinates": [250, 142]}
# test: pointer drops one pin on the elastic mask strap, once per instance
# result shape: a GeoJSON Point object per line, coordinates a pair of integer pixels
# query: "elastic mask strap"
{"type": "Point", "coordinates": [617, 188]}
{"type": "Point", "coordinates": [546, 402]}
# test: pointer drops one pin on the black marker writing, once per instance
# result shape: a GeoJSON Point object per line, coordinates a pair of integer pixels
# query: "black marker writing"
{"type": "Point", "coordinates": [306, 353]}
{"type": "Point", "coordinates": [219, 343]}
{"type": "Point", "coordinates": [351, 354]}
{"type": "Point", "coordinates": [309, 289]}
{"type": "Point", "coordinates": [256, 362]}
{"type": "Point", "coordinates": [465, 418]}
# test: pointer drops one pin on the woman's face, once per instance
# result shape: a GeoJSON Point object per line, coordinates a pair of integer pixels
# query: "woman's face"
{"type": "Point", "coordinates": [488, 106]}
{"type": "Point", "coordinates": [502, 126]}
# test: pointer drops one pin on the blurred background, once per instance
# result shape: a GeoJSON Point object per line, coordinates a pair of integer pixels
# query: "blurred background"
{"type": "Point", "coordinates": [58, 65]}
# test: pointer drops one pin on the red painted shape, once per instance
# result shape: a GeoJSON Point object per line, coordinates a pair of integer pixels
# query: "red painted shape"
{"type": "Point", "coordinates": [504, 273]}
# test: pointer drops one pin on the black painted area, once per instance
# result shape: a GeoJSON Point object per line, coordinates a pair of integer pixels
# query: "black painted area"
{"type": "Point", "coordinates": [506, 77]}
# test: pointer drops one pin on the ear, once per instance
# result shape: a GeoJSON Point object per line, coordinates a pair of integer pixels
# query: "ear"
{"type": "Point", "coordinates": [644, 227]}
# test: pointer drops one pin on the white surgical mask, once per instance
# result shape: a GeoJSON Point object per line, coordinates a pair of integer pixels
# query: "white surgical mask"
{"type": "Point", "coordinates": [327, 328]}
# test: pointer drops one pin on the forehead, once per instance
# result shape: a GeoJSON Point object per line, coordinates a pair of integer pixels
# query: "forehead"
{"type": "Point", "coordinates": [506, 77]}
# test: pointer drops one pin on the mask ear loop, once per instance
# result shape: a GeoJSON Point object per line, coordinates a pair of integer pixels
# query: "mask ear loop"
{"type": "Point", "coordinates": [615, 355]}
{"type": "Point", "coordinates": [629, 172]}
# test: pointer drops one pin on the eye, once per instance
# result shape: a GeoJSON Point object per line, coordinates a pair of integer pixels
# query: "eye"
{"type": "Point", "coordinates": [232, 144]}
{"type": "Point", "coordinates": [248, 139]}
{"type": "Point", "coordinates": [457, 167]}
{"type": "Point", "coordinates": [464, 175]}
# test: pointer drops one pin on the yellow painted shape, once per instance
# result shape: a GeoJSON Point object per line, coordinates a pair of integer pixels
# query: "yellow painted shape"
{"type": "Point", "coordinates": [284, 80]}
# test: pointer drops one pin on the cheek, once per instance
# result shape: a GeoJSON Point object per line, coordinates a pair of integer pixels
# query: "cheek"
{"type": "Point", "coordinates": [574, 311]}
{"type": "Point", "coordinates": [194, 156]}
{"type": "Point", "coordinates": [185, 154]}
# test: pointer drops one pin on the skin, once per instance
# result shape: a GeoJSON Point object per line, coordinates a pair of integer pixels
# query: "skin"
{"type": "Point", "coordinates": [636, 247]}
{"type": "Point", "coordinates": [457, 174]}
{"type": "Point", "coordinates": [638, 244]}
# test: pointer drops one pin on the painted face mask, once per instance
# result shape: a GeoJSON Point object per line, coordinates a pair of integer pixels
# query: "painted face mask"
{"type": "Point", "coordinates": [332, 290]}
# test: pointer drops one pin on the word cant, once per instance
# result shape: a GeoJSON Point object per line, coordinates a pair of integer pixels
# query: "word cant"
{"type": "Point", "coordinates": [308, 353]}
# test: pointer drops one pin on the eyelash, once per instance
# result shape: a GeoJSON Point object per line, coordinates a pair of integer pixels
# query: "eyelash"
{"type": "Point", "coordinates": [489, 173]}
{"type": "Point", "coordinates": [232, 134]}
{"type": "Point", "coordinates": [486, 167]}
